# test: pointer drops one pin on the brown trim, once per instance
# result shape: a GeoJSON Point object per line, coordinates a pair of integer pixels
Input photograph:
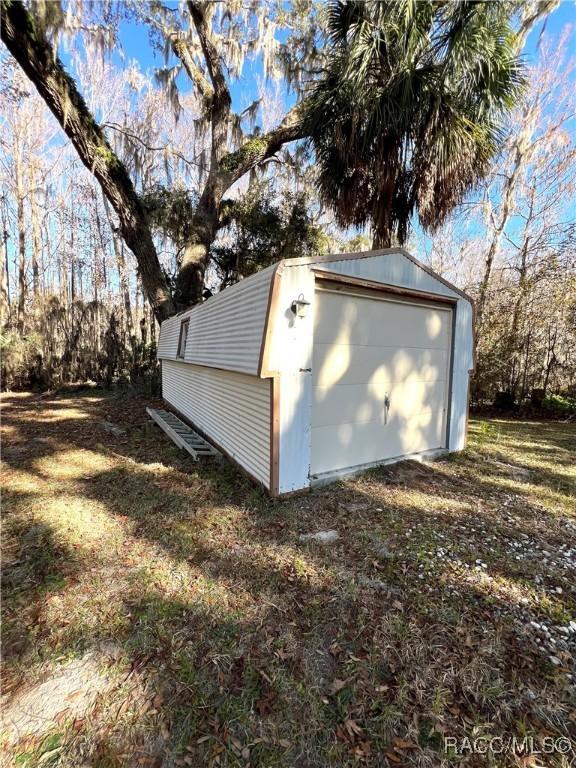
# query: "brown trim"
{"type": "Point", "coordinates": [206, 365]}
{"type": "Point", "coordinates": [211, 440]}
{"type": "Point", "coordinates": [325, 277]}
{"type": "Point", "coordinates": [263, 363]}
{"type": "Point", "coordinates": [275, 436]}
{"type": "Point", "coordinates": [467, 412]}
{"type": "Point", "coordinates": [184, 324]}
{"type": "Point", "coordinates": [448, 427]}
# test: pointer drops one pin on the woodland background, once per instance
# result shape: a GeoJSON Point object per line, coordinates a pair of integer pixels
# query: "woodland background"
{"type": "Point", "coordinates": [72, 303]}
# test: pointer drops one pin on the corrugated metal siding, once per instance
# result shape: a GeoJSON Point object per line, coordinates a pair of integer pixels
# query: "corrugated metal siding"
{"type": "Point", "coordinates": [391, 268]}
{"type": "Point", "coordinates": [231, 408]}
{"type": "Point", "coordinates": [168, 339]}
{"type": "Point", "coordinates": [226, 330]}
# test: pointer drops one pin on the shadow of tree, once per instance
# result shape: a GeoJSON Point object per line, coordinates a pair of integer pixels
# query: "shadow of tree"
{"type": "Point", "coordinates": [247, 638]}
{"type": "Point", "coordinates": [35, 565]}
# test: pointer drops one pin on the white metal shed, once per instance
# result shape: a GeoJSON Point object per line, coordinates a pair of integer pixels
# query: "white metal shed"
{"type": "Point", "coordinates": [315, 368]}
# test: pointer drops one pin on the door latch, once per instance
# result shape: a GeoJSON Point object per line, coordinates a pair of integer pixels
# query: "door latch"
{"type": "Point", "coordinates": [386, 408]}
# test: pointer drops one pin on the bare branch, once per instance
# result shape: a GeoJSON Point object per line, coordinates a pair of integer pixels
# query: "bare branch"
{"type": "Point", "coordinates": [150, 148]}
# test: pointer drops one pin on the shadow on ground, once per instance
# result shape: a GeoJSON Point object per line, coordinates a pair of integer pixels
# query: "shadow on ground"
{"type": "Point", "coordinates": [229, 641]}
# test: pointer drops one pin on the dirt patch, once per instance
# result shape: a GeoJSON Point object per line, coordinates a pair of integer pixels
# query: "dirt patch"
{"type": "Point", "coordinates": [67, 691]}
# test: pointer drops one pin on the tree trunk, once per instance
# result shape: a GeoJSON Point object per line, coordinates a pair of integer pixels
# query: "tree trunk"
{"type": "Point", "coordinates": [122, 274]}
{"type": "Point", "coordinates": [72, 255]}
{"type": "Point", "coordinates": [521, 147]}
{"type": "Point", "coordinates": [36, 237]}
{"type": "Point", "coordinates": [21, 224]}
{"type": "Point", "coordinates": [551, 358]}
{"type": "Point", "coordinates": [380, 241]}
{"type": "Point", "coordinates": [5, 273]}
{"type": "Point", "coordinates": [190, 280]}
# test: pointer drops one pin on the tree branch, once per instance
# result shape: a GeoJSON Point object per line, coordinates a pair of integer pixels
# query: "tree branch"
{"type": "Point", "coordinates": [34, 53]}
{"type": "Point", "coordinates": [221, 100]}
{"type": "Point", "coordinates": [181, 49]}
{"type": "Point", "coordinates": [165, 148]}
{"type": "Point", "coordinates": [198, 13]}
{"type": "Point", "coordinates": [261, 148]}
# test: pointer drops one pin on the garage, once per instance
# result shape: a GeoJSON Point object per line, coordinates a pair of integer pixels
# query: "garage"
{"type": "Point", "coordinates": [319, 367]}
{"type": "Point", "coordinates": [381, 379]}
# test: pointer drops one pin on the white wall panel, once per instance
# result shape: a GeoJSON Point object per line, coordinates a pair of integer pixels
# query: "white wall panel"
{"type": "Point", "coordinates": [232, 409]}
{"type": "Point", "coordinates": [291, 357]}
{"type": "Point", "coordinates": [463, 364]}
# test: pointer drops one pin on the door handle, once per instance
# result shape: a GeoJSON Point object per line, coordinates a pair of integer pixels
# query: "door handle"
{"type": "Point", "coordinates": [386, 408]}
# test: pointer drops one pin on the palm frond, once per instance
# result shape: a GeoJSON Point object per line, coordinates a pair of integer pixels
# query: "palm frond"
{"type": "Point", "coordinates": [410, 111]}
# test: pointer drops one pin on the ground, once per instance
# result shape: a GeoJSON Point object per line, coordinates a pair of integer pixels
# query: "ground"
{"type": "Point", "coordinates": [160, 612]}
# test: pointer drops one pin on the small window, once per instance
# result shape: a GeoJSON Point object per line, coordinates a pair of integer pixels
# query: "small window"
{"type": "Point", "coordinates": [183, 338]}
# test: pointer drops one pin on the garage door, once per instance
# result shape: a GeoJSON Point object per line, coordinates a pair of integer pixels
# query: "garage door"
{"type": "Point", "coordinates": [380, 379]}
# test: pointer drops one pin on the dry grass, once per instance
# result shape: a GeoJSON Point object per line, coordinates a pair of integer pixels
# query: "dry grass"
{"type": "Point", "coordinates": [215, 636]}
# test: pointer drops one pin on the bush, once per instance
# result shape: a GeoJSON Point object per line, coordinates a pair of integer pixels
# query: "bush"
{"type": "Point", "coordinates": [21, 360]}
{"type": "Point", "coordinates": [559, 405]}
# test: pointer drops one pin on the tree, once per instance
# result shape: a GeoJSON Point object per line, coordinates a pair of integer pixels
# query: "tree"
{"type": "Point", "coordinates": [202, 54]}
{"type": "Point", "coordinates": [462, 81]}
{"type": "Point", "coordinates": [513, 246]}
{"type": "Point", "coordinates": [409, 113]}
{"type": "Point", "coordinates": [262, 231]}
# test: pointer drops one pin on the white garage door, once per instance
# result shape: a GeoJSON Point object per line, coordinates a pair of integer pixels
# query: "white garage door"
{"type": "Point", "coordinates": [380, 379]}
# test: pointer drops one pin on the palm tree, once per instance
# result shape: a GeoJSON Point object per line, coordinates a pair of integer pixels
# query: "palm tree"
{"type": "Point", "coordinates": [410, 110]}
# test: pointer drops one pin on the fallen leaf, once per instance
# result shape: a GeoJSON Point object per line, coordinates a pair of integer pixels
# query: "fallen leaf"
{"type": "Point", "coordinates": [265, 676]}
{"type": "Point", "coordinates": [352, 727]}
{"type": "Point", "coordinates": [403, 743]}
{"type": "Point", "coordinates": [336, 686]}
{"type": "Point", "coordinates": [73, 695]}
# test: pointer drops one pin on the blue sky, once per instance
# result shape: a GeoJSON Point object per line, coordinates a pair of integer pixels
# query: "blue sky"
{"type": "Point", "coordinates": [136, 47]}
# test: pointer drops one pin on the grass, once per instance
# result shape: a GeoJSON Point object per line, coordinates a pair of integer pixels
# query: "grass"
{"type": "Point", "coordinates": [216, 637]}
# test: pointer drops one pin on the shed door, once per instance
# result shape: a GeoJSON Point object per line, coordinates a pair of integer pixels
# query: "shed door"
{"type": "Point", "coordinates": [369, 352]}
